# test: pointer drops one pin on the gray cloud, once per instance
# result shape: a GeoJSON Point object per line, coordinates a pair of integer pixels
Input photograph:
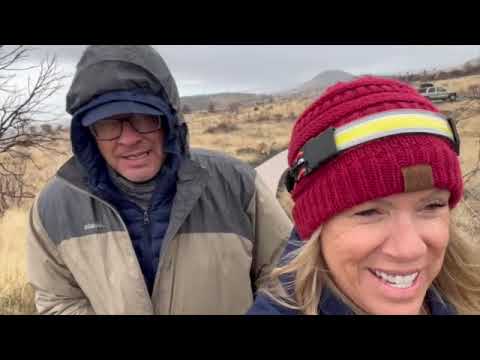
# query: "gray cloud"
{"type": "Point", "coordinates": [207, 68]}
{"type": "Point", "coordinates": [201, 69]}
{"type": "Point", "coordinates": [270, 68]}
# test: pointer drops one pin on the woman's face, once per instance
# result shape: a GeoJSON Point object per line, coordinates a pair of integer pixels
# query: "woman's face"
{"type": "Point", "coordinates": [384, 254]}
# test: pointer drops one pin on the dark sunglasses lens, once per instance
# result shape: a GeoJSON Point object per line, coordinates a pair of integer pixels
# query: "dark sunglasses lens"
{"type": "Point", "coordinates": [107, 129]}
{"type": "Point", "coordinates": [145, 124]}
{"type": "Point", "coordinates": [111, 129]}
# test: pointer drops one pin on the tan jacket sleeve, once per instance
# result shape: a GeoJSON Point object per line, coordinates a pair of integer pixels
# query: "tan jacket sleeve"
{"type": "Point", "coordinates": [56, 291]}
{"type": "Point", "coordinates": [272, 230]}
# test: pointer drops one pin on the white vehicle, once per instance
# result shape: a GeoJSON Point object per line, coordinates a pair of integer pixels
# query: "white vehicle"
{"type": "Point", "coordinates": [436, 93]}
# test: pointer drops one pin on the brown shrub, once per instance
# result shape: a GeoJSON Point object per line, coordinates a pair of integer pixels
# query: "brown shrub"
{"type": "Point", "coordinates": [223, 127]}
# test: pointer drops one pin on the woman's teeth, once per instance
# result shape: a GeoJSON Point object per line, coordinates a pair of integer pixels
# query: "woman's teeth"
{"type": "Point", "coordinates": [397, 281]}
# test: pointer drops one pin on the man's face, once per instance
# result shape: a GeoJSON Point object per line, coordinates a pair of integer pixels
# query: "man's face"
{"type": "Point", "coordinates": [137, 156]}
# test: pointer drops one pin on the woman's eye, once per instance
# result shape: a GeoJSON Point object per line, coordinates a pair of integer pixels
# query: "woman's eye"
{"type": "Point", "coordinates": [368, 212]}
{"type": "Point", "coordinates": [435, 206]}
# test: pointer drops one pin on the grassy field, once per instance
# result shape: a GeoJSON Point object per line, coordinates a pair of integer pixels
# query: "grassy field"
{"type": "Point", "coordinates": [460, 85]}
{"type": "Point", "coordinates": [15, 295]}
{"type": "Point", "coordinates": [251, 134]}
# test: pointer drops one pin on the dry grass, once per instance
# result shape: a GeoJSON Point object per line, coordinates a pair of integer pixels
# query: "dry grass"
{"type": "Point", "coordinates": [16, 297]}
{"type": "Point", "coordinates": [257, 134]}
{"type": "Point", "coordinates": [459, 85]}
{"type": "Point", "coordinates": [251, 135]}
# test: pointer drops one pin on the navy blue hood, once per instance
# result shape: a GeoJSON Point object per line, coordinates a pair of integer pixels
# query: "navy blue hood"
{"type": "Point", "coordinates": [134, 71]}
{"type": "Point", "coordinates": [132, 74]}
{"type": "Point", "coordinates": [85, 148]}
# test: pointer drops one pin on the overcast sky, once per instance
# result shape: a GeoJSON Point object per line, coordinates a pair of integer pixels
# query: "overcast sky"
{"type": "Point", "coordinates": [203, 69]}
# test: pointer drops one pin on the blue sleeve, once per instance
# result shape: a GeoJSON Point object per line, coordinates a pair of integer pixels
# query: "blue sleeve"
{"type": "Point", "coordinates": [263, 305]}
{"type": "Point", "coordinates": [294, 243]}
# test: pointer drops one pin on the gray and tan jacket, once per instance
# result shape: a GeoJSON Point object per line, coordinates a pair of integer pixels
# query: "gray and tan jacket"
{"type": "Point", "coordinates": [225, 234]}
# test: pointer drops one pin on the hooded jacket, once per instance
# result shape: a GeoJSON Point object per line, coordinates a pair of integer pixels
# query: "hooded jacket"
{"type": "Point", "coordinates": [224, 234]}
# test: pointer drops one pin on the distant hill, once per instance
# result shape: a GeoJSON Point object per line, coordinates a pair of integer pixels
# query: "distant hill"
{"type": "Point", "coordinates": [468, 68]}
{"type": "Point", "coordinates": [319, 83]}
{"type": "Point", "coordinates": [222, 100]}
{"type": "Point", "coordinates": [472, 63]}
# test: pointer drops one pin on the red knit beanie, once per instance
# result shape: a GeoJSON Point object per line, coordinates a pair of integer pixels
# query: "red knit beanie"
{"type": "Point", "coordinates": [371, 170]}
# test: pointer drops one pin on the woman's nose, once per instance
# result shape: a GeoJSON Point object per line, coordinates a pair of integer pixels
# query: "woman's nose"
{"type": "Point", "coordinates": [405, 240]}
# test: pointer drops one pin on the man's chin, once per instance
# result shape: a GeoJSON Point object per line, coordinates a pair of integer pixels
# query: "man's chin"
{"type": "Point", "coordinates": [138, 177]}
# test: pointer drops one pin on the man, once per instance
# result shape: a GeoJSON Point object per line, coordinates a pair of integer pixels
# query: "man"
{"type": "Point", "coordinates": [135, 222]}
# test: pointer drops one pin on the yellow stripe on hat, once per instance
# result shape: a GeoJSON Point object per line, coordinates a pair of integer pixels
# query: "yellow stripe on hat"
{"type": "Point", "coordinates": [392, 123]}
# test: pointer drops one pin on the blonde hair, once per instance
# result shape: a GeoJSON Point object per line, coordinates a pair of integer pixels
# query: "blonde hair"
{"type": "Point", "coordinates": [458, 281]}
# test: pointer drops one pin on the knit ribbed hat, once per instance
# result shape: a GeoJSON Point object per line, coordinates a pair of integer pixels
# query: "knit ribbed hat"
{"type": "Point", "coordinates": [374, 169]}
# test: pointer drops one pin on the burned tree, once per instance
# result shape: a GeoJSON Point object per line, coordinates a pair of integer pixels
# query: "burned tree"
{"type": "Point", "coordinates": [20, 110]}
{"type": "Point", "coordinates": [234, 107]}
{"type": "Point", "coordinates": [211, 107]}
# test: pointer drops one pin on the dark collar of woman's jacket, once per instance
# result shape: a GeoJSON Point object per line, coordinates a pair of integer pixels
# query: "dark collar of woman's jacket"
{"type": "Point", "coordinates": [330, 304]}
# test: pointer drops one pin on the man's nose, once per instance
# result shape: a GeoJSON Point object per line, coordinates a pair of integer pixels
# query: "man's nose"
{"type": "Point", "coordinates": [129, 135]}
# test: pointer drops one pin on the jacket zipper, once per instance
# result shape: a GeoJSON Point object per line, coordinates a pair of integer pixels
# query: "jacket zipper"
{"type": "Point", "coordinates": [146, 224]}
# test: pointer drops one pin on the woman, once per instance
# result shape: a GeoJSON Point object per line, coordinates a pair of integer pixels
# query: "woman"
{"type": "Point", "coordinates": [374, 174]}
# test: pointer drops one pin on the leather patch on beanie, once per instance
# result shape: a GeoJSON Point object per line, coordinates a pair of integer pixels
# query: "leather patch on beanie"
{"type": "Point", "coordinates": [417, 178]}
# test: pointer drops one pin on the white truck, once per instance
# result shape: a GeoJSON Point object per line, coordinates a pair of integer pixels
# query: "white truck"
{"type": "Point", "coordinates": [437, 93]}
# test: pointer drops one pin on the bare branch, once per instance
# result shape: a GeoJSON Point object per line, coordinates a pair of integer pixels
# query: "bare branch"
{"type": "Point", "coordinates": [20, 109]}
{"type": "Point", "coordinates": [12, 56]}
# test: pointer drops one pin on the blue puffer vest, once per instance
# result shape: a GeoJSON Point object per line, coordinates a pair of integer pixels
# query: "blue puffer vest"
{"type": "Point", "coordinates": [146, 228]}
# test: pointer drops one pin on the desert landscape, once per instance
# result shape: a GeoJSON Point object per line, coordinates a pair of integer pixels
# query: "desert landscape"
{"type": "Point", "coordinates": [251, 131]}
